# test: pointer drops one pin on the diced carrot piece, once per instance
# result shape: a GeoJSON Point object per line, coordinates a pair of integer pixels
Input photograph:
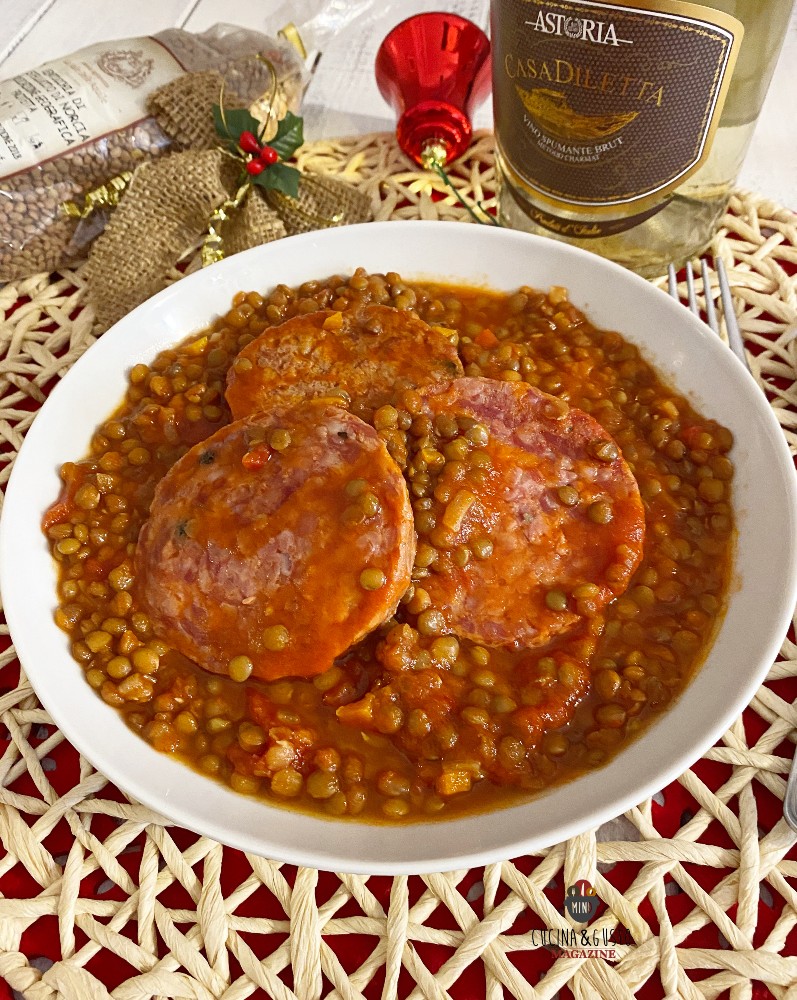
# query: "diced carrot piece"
{"type": "Point", "coordinates": [56, 514]}
{"type": "Point", "coordinates": [692, 435]}
{"type": "Point", "coordinates": [72, 474]}
{"type": "Point", "coordinates": [333, 322]}
{"type": "Point", "coordinates": [448, 333]}
{"type": "Point", "coordinates": [198, 346]}
{"type": "Point", "coordinates": [486, 338]}
{"type": "Point", "coordinates": [454, 782]}
{"type": "Point", "coordinates": [359, 714]}
{"type": "Point", "coordinates": [93, 569]}
{"type": "Point", "coordinates": [256, 458]}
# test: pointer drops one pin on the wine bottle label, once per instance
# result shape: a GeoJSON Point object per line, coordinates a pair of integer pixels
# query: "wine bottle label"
{"type": "Point", "coordinates": [608, 106]}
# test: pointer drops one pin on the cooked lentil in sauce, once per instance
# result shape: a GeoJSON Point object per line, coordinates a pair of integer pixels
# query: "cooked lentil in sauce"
{"type": "Point", "coordinates": [414, 721]}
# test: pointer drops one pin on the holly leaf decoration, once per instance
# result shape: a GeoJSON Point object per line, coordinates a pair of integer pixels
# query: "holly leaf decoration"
{"type": "Point", "coordinates": [232, 122]}
{"type": "Point", "coordinates": [279, 177]}
{"type": "Point", "coordinates": [290, 135]}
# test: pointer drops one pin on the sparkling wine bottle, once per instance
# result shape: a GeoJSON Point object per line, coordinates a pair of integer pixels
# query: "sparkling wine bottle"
{"type": "Point", "coordinates": [621, 127]}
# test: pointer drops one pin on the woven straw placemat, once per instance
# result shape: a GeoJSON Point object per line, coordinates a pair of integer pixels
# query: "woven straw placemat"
{"type": "Point", "coordinates": [100, 897]}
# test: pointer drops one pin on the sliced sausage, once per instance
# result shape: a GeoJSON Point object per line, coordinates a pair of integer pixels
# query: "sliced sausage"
{"type": "Point", "coordinates": [284, 538]}
{"type": "Point", "coordinates": [367, 352]}
{"type": "Point", "coordinates": [536, 520]}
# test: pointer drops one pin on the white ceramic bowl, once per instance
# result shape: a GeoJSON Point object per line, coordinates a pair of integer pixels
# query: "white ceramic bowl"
{"type": "Point", "coordinates": [683, 350]}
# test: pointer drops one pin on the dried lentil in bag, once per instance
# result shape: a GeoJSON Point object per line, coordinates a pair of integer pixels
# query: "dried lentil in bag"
{"type": "Point", "coordinates": [71, 125]}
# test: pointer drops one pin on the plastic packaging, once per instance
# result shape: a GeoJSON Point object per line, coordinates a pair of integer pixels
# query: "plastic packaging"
{"type": "Point", "coordinates": [76, 123]}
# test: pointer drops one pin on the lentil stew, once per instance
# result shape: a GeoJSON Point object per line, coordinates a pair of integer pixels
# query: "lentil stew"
{"type": "Point", "coordinates": [414, 721]}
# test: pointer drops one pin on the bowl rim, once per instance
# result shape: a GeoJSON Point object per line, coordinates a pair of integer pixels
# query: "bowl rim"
{"type": "Point", "coordinates": [471, 827]}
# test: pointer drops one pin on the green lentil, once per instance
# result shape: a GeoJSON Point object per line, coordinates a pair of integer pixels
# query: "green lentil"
{"type": "Point", "coordinates": [276, 638]}
{"type": "Point", "coordinates": [600, 512]}
{"type": "Point", "coordinates": [240, 668]}
{"type": "Point", "coordinates": [556, 600]}
{"type": "Point", "coordinates": [372, 579]}
{"type": "Point", "coordinates": [280, 439]}
{"type": "Point", "coordinates": [431, 622]}
{"type": "Point", "coordinates": [482, 548]}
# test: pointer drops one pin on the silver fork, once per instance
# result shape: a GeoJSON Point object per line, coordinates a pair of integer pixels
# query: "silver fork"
{"type": "Point", "coordinates": [736, 344]}
{"type": "Point", "coordinates": [735, 341]}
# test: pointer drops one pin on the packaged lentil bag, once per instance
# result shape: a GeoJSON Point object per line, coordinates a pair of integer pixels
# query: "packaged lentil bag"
{"type": "Point", "coordinates": [73, 124]}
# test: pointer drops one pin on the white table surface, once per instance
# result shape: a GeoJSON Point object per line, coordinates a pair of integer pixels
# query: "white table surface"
{"type": "Point", "coordinates": [33, 31]}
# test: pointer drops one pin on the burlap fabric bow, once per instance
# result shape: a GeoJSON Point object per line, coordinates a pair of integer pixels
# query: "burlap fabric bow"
{"type": "Point", "coordinates": [170, 203]}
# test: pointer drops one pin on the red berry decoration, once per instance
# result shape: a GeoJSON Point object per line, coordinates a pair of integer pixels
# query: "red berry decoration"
{"type": "Point", "coordinates": [248, 142]}
{"type": "Point", "coordinates": [255, 167]}
{"type": "Point", "coordinates": [269, 155]}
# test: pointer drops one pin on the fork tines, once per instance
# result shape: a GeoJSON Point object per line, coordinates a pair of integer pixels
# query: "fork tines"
{"type": "Point", "coordinates": [735, 341]}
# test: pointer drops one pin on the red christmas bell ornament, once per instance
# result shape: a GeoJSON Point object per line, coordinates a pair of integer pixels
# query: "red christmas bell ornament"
{"type": "Point", "coordinates": [433, 70]}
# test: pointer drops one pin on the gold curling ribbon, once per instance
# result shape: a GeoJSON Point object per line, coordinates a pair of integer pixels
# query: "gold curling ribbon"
{"type": "Point", "coordinates": [213, 244]}
{"type": "Point", "coordinates": [291, 34]}
{"type": "Point", "coordinates": [106, 195]}
{"type": "Point", "coordinates": [263, 108]}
